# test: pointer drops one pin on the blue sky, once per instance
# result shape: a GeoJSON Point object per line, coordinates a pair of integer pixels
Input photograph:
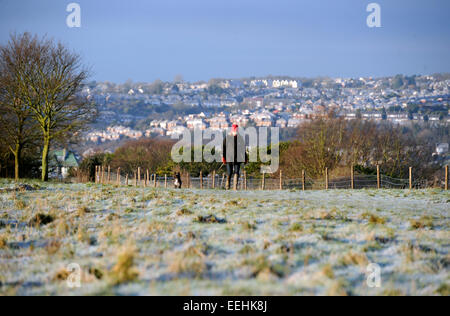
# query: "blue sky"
{"type": "Point", "coordinates": [144, 40]}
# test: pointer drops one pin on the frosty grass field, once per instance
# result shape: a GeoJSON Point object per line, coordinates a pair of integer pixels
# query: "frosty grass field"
{"type": "Point", "coordinates": [144, 241]}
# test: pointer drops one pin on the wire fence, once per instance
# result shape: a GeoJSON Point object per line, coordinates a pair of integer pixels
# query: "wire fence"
{"type": "Point", "coordinates": [143, 178]}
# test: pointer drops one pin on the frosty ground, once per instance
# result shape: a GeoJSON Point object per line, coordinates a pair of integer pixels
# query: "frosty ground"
{"type": "Point", "coordinates": [145, 241]}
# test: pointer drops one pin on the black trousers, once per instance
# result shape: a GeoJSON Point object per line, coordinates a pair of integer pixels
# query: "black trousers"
{"type": "Point", "coordinates": [232, 168]}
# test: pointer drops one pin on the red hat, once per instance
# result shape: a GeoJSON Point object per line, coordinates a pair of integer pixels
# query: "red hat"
{"type": "Point", "coordinates": [235, 127]}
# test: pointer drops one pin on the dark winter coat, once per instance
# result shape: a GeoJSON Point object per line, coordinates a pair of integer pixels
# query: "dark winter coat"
{"type": "Point", "coordinates": [233, 149]}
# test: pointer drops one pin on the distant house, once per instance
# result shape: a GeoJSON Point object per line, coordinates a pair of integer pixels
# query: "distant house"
{"type": "Point", "coordinates": [282, 123]}
{"type": "Point", "coordinates": [173, 124]}
{"type": "Point", "coordinates": [240, 120]}
{"type": "Point", "coordinates": [218, 123]}
{"type": "Point", "coordinates": [294, 122]}
{"type": "Point", "coordinates": [254, 102]}
{"type": "Point", "coordinates": [155, 131]}
{"type": "Point", "coordinates": [284, 83]}
{"type": "Point", "coordinates": [442, 149]}
{"type": "Point", "coordinates": [61, 161]}
{"type": "Point", "coordinates": [372, 116]}
{"type": "Point", "coordinates": [176, 131]}
{"type": "Point", "coordinates": [263, 119]}
{"type": "Point", "coordinates": [196, 123]}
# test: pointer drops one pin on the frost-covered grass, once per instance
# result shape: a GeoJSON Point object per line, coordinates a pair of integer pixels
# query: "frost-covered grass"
{"type": "Point", "coordinates": [189, 242]}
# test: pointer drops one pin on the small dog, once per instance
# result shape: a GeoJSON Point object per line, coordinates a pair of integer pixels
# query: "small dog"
{"type": "Point", "coordinates": [177, 181]}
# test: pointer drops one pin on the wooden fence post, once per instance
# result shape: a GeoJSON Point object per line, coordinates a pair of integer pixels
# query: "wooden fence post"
{"type": "Point", "coordinates": [235, 184]}
{"type": "Point", "coordinates": [109, 175]}
{"type": "Point", "coordinates": [135, 178]}
{"type": "Point", "coordinates": [303, 180]}
{"type": "Point", "coordinates": [281, 179]}
{"type": "Point", "coordinates": [201, 180]}
{"type": "Point", "coordinates": [154, 181]}
{"type": "Point", "coordinates": [96, 174]}
{"type": "Point", "coordinates": [353, 177]}
{"type": "Point", "coordinates": [378, 177]}
{"type": "Point", "coordinates": [118, 176]}
{"type": "Point", "coordinates": [446, 178]}
{"type": "Point", "coordinates": [139, 176]}
{"type": "Point", "coordinates": [410, 178]}
{"type": "Point", "coordinates": [126, 179]}
{"type": "Point", "coordinates": [245, 180]}
{"type": "Point", "coordinates": [214, 179]}
{"type": "Point", "coordinates": [165, 181]}
{"type": "Point", "coordinates": [263, 181]}
{"type": "Point", "coordinates": [223, 180]}
{"type": "Point", "coordinates": [189, 180]}
{"type": "Point", "coordinates": [103, 174]}
{"type": "Point", "coordinates": [327, 180]}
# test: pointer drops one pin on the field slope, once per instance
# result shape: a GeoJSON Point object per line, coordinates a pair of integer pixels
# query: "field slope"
{"type": "Point", "coordinates": [189, 242]}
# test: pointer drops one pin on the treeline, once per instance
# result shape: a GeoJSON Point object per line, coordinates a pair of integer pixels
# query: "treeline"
{"type": "Point", "coordinates": [40, 102]}
{"type": "Point", "coordinates": [332, 143]}
{"type": "Point", "coordinates": [151, 154]}
{"type": "Point", "coordinates": [337, 144]}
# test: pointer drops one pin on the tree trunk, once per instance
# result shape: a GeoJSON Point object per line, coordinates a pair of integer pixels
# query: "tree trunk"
{"type": "Point", "coordinates": [17, 157]}
{"type": "Point", "coordinates": [17, 152]}
{"type": "Point", "coordinates": [16, 168]}
{"type": "Point", "coordinates": [45, 158]}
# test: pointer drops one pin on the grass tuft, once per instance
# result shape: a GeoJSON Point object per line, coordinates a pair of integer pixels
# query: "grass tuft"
{"type": "Point", "coordinates": [82, 211]}
{"type": "Point", "coordinates": [422, 223]}
{"type": "Point", "coordinates": [20, 205]}
{"type": "Point", "coordinates": [3, 242]}
{"type": "Point", "coordinates": [61, 275]}
{"type": "Point", "coordinates": [124, 271]}
{"type": "Point", "coordinates": [210, 219]}
{"type": "Point", "coordinates": [184, 211]}
{"type": "Point", "coordinates": [190, 261]}
{"type": "Point", "coordinates": [41, 219]}
{"type": "Point", "coordinates": [296, 228]}
{"type": "Point", "coordinates": [250, 226]}
{"type": "Point", "coordinates": [354, 258]}
{"type": "Point", "coordinates": [374, 219]}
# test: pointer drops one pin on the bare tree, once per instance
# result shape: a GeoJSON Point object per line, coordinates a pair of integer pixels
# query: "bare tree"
{"type": "Point", "coordinates": [321, 141]}
{"type": "Point", "coordinates": [396, 152]}
{"type": "Point", "coordinates": [149, 154]}
{"type": "Point", "coordinates": [19, 129]}
{"type": "Point", "coordinates": [51, 85]}
{"type": "Point", "coordinates": [4, 152]}
{"type": "Point", "coordinates": [360, 142]}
